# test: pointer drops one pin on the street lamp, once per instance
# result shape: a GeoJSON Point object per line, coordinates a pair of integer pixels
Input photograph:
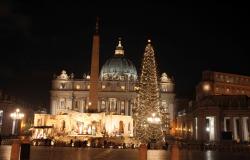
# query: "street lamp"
{"type": "Point", "coordinates": [16, 116]}
{"type": "Point", "coordinates": [154, 124]}
{"type": "Point", "coordinates": [154, 119]}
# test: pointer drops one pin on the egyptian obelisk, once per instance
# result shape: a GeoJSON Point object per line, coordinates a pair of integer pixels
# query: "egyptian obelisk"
{"type": "Point", "coordinates": [94, 75]}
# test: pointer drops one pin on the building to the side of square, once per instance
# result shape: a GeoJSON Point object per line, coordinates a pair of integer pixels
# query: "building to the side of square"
{"type": "Point", "coordinates": [221, 110]}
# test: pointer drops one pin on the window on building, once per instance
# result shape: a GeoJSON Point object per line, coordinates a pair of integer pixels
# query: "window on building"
{"type": "Point", "coordinates": [236, 80]}
{"type": "Point", "coordinates": [164, 106]}
{"type": "Point", "coordinates": [112, 103]}
{"type": "Point", "coordinates": [122, 107]}
{"type": "Point", "coordinates": [62, 104]}
{"type": "Point", "coordinates": [164, 87]}
{"type": "Point", "coordinates": [123, 87]}
{"type": "Point", "coordinates": [77, 105]}
{"type": "Point", "coordinates": [136, 88]}
{"type": "Point", "coordinates": [62, 86]}
{"type": "Point", "coordinates": [122, 78]}
{"type": "Point", "coordinates": [103, 105]}
{"type": "Point", "coordinates": [78, 86]}
{"type": "Point", "coordinates": [221, 77]}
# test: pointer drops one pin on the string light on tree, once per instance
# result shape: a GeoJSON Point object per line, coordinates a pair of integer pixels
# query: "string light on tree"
{"type": "Point", "coordinates": [148, 100]}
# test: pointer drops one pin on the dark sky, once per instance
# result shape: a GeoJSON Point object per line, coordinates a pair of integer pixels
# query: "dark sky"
{"type": "Point", "coordinates": [41, 38]}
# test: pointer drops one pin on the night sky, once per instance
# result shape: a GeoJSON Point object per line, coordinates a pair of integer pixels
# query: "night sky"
{"type": "Point", "coordinates": [41, 38]}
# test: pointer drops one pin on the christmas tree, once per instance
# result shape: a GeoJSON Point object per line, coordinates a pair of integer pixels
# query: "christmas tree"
{"type": "Point", "coordinates": [147, 115]}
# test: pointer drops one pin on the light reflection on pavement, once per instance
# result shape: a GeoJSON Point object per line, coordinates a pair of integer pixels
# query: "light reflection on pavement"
{"type": "Point", "coordinates": [68, 153]}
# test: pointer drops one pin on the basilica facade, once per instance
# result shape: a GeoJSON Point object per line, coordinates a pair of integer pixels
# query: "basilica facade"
{"type": "Point", "coordinates": [103, 102]}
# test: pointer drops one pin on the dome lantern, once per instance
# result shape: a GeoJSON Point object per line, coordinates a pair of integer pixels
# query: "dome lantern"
{"type": "Point", "coordinates": [119, 48]}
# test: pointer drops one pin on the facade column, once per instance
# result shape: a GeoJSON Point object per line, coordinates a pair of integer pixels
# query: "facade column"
{"type": "Point", "coordinates": [81, 106]}
{"type": "Point", "coordinates": [237, 133]}
{"type": "Point", "coordinates": [118, 109]}
{"type": "Point", "coordinates": [58, 105]}
{"type": "Point", "coordinates": [131, 105]}
{"type": "Point", "coordinates": [170, 107]}
{"type": "Point", "coordinates": [72, 102]}
{"type": "Point", "coordinates": [248, 127]}
{"type": "Point", "coordinates": [99, 103]}
{"type": "Point", "coordinates": [195, 121]}
{"type": "Point", "coordinates": [126, 107]}
{"type": "Point", "coordinates": [107, 105]}
{"type": "Point", "coordinates": [53, 106]}
{"type": "Point", "coordinates": [84, 103]}
{"type": "Point", "coordinates": [232, 129]}
{"type": "Point", "coordinates": [245, 129]}
{"type": "Point", "coordinates": [224, 125]}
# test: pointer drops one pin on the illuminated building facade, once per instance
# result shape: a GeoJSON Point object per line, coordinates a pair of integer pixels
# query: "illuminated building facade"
{"type": "Point", "coordinates": [218, 83]}
{"type": "Point", "coordinates": [108, 100]}
{"type": "Point", "coordinates": [221, 110]}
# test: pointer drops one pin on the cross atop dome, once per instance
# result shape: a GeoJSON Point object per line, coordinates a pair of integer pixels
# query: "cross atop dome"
{"type": "Point", "coordinates": [119, 48]}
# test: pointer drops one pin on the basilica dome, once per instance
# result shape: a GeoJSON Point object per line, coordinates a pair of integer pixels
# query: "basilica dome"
{"type": "Point", "coordinates": [118, 67]}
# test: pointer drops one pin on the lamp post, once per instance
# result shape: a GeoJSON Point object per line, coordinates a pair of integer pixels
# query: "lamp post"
{"type": "Point", "coordinates": [154, 122]}
{"type": "Point", "coordinates": [16, 116]}
{"type": "Point", "coordinates": [154, 119]}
